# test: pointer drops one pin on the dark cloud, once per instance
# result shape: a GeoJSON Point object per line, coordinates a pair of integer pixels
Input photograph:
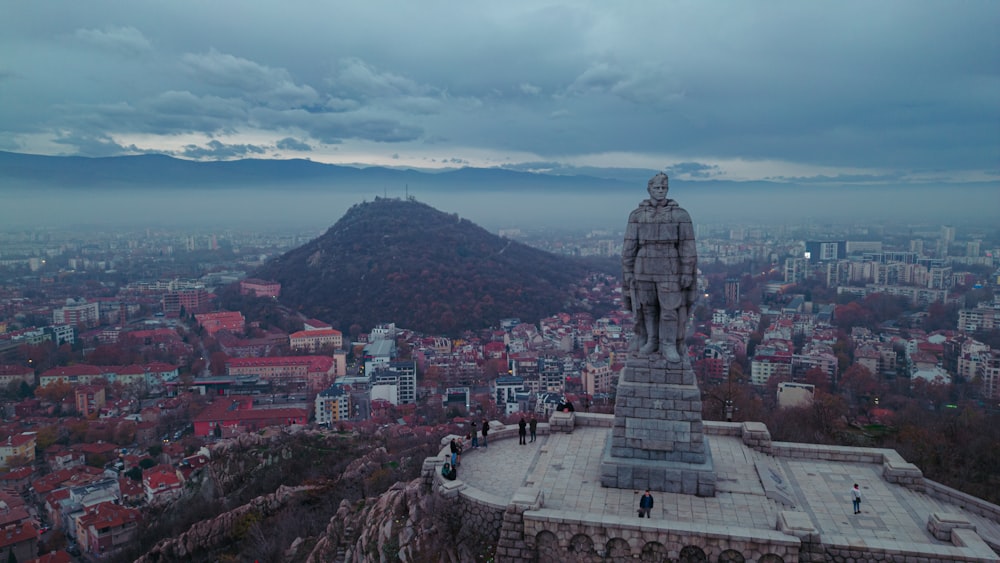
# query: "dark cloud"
{"type": "Point", "coordinates": [216, 150]}
{"type": "Point", "coordinates": [93, 145]}
{"type": "Point", "coordinates": [290, 144]}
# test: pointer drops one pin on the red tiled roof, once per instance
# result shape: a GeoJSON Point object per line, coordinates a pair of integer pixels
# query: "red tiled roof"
{"type": "Point", "coordinates": [73, 370]}
{"type": "Point", "coordinates": [59, 556]}
{"type": "Point", "coordinates": [316, 333]}
{"type": "Point", "coordinates": [17, 533]}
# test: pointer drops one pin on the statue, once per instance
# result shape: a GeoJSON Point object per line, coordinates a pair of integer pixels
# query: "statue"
{"type": "Point", "coordinates": [659, 266]}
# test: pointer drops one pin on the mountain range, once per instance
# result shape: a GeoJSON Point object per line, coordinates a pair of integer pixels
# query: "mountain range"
{"type": "Point", "coordinates": [402, 261]}
{"type": "Point", "coordinates": [125, 186]}
{"type": "Point", "coordinates": [159, 170]}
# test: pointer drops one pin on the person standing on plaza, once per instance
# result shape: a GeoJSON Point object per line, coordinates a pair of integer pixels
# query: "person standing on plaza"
{"type": "Point", "coordinates": [486, 430]}
{"type": "Point", "coordinates": [533, 427]}
{"type": "Point", "coordinates": [646, 505]}
{"type": "Point", "coordinates": [475, 435]}
{"type": "Point", "coordinates": [454, 452]}
{"type": "Point", "coordinates": [522, 431]}
{"type": "Point", "coordinates": [856, 498]}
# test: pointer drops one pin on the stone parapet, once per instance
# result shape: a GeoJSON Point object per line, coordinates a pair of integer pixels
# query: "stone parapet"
{"type": "Point", "coordinates": [567, 536]}
{"type": "Point", "coordinates": [902, 472]}
{"type": "Point", "coordinates": [757, 436]}
{"type": "Point", "coordinates": [562, 421]}
{"type": "Point", "coordinates": [963, 500]}
{"type": "Point", "coordinates": [967, 547]}
{"type": "Point", "coordinates": [598, 420]}
{"type": "Point", "coordinates": [512, 545]}
{"type": "Point", "coordinates": [799, 525]}
{"type": "Point", "coordinates": [717, 428]}
{"type": "Point", "coordinates": [940, 524]}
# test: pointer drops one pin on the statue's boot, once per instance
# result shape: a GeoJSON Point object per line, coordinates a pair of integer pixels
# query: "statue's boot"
{"type": "Point", "coordinates": [652, 339]}
{"type": "Point", "coordinates": [669, 350]}
{"type": "Point", "coordinates": [637, 341]}
{"type": "Point", "coordinates": [668, 341]}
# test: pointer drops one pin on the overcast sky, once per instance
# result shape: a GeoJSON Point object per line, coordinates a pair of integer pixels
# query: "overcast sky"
{"type": "Point", "coordinates": [805, 91]}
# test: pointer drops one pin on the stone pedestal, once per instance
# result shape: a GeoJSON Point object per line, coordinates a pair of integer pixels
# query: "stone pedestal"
{"type": "Point", "coordinates": [657, 441]}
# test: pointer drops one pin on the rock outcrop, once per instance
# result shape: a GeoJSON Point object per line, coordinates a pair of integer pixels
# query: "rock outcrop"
{"type": "Point", "coordinates": [208, 535]}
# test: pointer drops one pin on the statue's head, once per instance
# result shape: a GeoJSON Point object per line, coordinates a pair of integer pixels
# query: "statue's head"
{"type": "Point", "coordinates": [658, 186]}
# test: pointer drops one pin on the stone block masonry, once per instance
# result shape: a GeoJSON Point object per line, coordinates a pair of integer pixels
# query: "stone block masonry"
{"type": "Point", "coordinates": [658, 440]}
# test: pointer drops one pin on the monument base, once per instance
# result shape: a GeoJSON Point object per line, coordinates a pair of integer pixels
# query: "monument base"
{"type": "Point", "coordinates": [664, 476]}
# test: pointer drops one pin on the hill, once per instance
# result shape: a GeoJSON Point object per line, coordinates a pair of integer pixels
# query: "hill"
{"type": "Point", "coordinates": [402, 261]}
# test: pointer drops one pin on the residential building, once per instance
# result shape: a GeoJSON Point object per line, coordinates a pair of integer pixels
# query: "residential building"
{"type": "Point", "coordinates": [18, 542]}
{"type": "Point", "coordinates": [191, 300]}
{"type": "Point", "coordinates": [89, 399]}
{"type": "Point", "coordinates": [332, 405]}
{"type": "Point", "coordinates": [313, 340]}
{"type": "Point", "coordinates": [16, 374]}
{"type": "Point", "coordinates": [162, 483]}
{"type": "Point", "coordinates": [234, 414]}
{"type": "Point", "coordinates": [298, 372]}
{"type": "Point", "coordinates": [232, 321]}
{"type": "Point", "coordinates": [598, 377]}
{"type": "Point", "coordinates": [507, 392]}
{"type": "Point", "coordinates": [260, 288]}
{"type": "Point", "coordinates": [400, 375]}
{"type": "Point", "coordinates": [17, 449]}
{"type": "Point", "coordinates": [107, 527]}
{"type": "Point", "coordinates": [77, 312]}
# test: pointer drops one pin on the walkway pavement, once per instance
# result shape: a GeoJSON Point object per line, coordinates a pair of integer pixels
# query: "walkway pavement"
{"type": "Point", "coordinates": [567, 469]}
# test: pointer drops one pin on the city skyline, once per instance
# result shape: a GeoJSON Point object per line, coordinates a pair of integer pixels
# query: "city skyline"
{"type": "Point", "coordinates": [849, 93]}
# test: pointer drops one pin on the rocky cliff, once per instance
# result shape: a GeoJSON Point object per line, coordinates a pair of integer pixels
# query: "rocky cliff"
{"type": "Point", "coordinates": [407, 523]}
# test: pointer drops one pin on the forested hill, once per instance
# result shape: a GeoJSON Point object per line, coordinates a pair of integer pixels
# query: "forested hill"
{"type": "Point", "coordinates": [402, 261]}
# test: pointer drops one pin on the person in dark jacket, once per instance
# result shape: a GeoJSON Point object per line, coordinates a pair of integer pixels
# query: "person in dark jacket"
{"type": "Point", "coordinates": [646, 505]}
{"type": "Point", "coordinates": [486, 430]}
{"type": "Point", "coordinates": [522, 432]}
{"type": "Point", "coordinates": [449, 472]}
{"type": "Point", "coordinates": [533, 427]}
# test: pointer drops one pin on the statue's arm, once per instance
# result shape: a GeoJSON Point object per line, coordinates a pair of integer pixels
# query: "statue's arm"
{"type": "Point", "coordinates": [630, 248]}
{"type": "Point", "coordinates": [686, 248]}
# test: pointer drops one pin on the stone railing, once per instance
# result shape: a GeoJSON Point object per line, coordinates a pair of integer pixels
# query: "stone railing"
{"type": "Point", "coordinates": [556, 535]}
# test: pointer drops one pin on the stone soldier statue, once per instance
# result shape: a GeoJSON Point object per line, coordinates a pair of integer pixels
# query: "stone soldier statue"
{"type": "Point", "coordinates": [659, 265]}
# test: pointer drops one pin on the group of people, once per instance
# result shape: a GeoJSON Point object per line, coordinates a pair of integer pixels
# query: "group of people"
{"type": "Point", "coordinates": [474, 435]}
{"type": "Point", "coordinates": [522, 429]}
{"type": "Point", "coordinates": [478, 436]}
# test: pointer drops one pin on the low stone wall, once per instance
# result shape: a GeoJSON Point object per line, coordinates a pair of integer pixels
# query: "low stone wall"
{"type": "Point", "coordinates": [967, 502]}
{"type": "Point", "coordinates": [557, 535]}
{"type": "Point", "coordinates": [481, 513]}
{"type": "Point", "coordinates": [599, 420]}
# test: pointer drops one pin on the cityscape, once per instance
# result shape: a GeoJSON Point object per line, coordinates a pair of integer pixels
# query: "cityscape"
{"type": "Point", "coordinates": [121, 363]}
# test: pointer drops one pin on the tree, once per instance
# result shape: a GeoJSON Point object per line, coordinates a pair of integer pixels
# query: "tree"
{"type": "Point", "coordinates": [55, 392]}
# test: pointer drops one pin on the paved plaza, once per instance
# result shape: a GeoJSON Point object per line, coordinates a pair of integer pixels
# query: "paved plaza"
{"type": "Point", "coordinates": [566, 467]}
